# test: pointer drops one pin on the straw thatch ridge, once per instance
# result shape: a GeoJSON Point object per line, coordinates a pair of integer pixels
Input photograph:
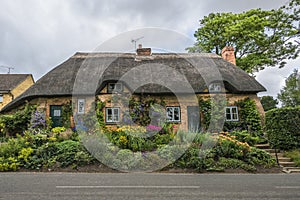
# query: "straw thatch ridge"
{"type": "Point", "coordinates": [83, 69]}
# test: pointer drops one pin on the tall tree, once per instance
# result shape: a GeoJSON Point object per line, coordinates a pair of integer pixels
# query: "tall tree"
{"type": "Point", "coordinates": [260, 38]}
{"type": "Point", "coordinates": [268, 102]}
{"type": "Point", "coordinates": [290, 94]}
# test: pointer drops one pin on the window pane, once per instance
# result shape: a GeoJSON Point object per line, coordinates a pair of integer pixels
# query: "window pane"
{"type": "Point", "coordinates": [176, 114]}
{"type": "Point", "coordinates": [1, 98]}
{"type": "Point", "coordinates": [173, 114]}
{"type": "Point", "coordinates": [116, 111]}
{"type": "Point", "coordinates": [228, 111]}
{"type": "Point", "coordinates": [56, 113]}
{"type": "Point", "coordinates": [109, 118]}
{"type": "Point", "coordinates": [231, 113]}
{"type": "Point", "coordinates": [118, 87]}
{"type": "Point", "coordinates": [111, 87]}
{"type": "Point", "coordinates": [234, 110]}
{"type": "Point", "coordinates": [228, 116]}
{"type": "Point", "coordinates": [234, 117]}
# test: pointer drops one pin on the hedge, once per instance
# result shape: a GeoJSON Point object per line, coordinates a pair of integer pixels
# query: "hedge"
{"type": "Point", "coordinates": [283, 128]}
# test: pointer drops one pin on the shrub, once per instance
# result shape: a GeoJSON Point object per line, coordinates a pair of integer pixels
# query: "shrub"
{"type": "Point", "coordinates": [259, 157]}
{"type": "Point", "coordinates": [18, 122]}
{"type": "Point", "coordinates": [282, 127]}
{"type": "Point", "coordinates": [245, 136]}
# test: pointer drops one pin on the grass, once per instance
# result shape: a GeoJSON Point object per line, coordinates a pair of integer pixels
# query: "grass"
{"type": "Point", "coordinates": [294, 155]}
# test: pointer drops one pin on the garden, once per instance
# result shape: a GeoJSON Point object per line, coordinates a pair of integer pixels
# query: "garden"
{"type": "Point", "coordinates": [30, 143]}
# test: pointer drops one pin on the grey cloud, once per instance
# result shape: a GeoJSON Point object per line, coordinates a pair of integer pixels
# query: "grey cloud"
{"type": "Point", "coordinates": [36, 36]}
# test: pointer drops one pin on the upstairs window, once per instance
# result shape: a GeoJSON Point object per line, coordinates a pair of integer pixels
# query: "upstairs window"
{"type": "Point", "coordinates": [173, 114]}
{"type": "Point", "coordinates": [1, 98]}
{"type": "Point", "coordinates": [215, 87]}
{"type": "Point", "coordinates": [112, 115]}
{"type": "Point", "coordinates": [114, 87]}
{"type": "Point", "coordinates": [231, 114]}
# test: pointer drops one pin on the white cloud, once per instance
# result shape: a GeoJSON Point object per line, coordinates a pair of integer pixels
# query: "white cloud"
{"type": "Point", "coordinates": [37, 35]}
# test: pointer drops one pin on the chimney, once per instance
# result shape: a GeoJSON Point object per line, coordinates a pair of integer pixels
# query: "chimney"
{"type": "Point", "coordinates": [228, 54]}
{"type": "Point", "coordinates": [143, 51]}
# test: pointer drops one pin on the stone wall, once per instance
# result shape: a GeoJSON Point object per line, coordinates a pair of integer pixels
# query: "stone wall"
{"type": "Point", "coordinates": [22, 87]}
{"type": "Point", "coordinates": [7, 97]}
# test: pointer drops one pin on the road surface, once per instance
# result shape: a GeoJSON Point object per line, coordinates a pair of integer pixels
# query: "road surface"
{"type": "Point", "coordinates": [148, 186]}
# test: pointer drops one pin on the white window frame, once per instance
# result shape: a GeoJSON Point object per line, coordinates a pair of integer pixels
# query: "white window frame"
{"type": "Point", "coordinates": [118, 87]}
{"type": "Point", "coordinates": [172, 110]}
{"type": "Point", "coordinates": [232, 114]}
{"type": "Point", "coordinates": [215, 87]}
{"type": "Point", "coordinates": [81, 106]}
{"type": "Point", "coordinates": [1, 98]}
{"type": "Point", "coordinates": [112, 120]}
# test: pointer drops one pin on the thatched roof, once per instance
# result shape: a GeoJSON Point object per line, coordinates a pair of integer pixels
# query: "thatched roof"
{"type": "Point", "coordinates": [10, 81]}
{"type": "Point", "coordinates": [83, 71]}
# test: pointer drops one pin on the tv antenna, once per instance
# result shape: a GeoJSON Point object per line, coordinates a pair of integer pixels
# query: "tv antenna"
{"type": "Point", "coordinates": [9, 68]}
{"type": "Point", "coordinates": [135, 40]}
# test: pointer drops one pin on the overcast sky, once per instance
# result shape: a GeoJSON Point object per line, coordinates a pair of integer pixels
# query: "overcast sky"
{"type": "Point", "coordinates": [37, 35]}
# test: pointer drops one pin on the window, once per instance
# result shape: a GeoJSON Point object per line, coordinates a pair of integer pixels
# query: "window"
{"type": "Point", "coordinates": [215, 87]}
{"type": "Point", "coordinates": [81, 106]}
{"type": "Point", "coordinates": [173, 114]}
{"type": "Point", "coordinates": [1, 98]}
{"type": "Point", "coordinates": [232, 113]}
{"type": "Point", "coordinates": [112, 115]}
{"type": "Point", "coordinates": [114, 87]}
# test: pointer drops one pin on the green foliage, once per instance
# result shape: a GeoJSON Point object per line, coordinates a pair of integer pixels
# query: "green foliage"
{"type": "Point", "coordinates": [260, 38]}
{"type": "Point", "coordinates": [245, 136]}
{"type": "Point", "coordinates": [268, 102]}
{"type": "Point", "coordinates": [35, 151]}
{"type": "Point", "coordinates": [140, 111]}
{"type": "Point", "coordinates": [99, 112]}
{"type": "Point", "coordinates": [9, 164]}
{"type": "Point", "coordinates": [232, 163]}
{"type": "Point", "coordinates": [282, 127]}
{"type": "Point", "coordinates": [67, 112]}
{"type": "Point", "coordinates": [294, 155]}
{"type": "Point", "coordinates": [58, 129]}
{"type": "Point", "coordinates": [212, 110]}
{"type": "Point", "coordinates": [16, 123]}
{"type": "Point", "coordinates": [290, 94]}
{"type": "Point", "coordinates": [260, 157]}
{"type": "Point", "coordinates": [136, 142]}
{"type": "Point", "coordinates": [249, 117]}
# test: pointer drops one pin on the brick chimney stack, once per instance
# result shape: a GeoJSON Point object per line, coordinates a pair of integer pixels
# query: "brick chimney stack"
{"type": "Point", "coordinates": [228, 54]}
{"type": "Point", "coordinates": [143, 51]}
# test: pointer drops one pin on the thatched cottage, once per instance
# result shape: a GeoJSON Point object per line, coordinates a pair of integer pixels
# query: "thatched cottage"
{"type": "Point", "coordinates": [13, 85]}
{"type": "Point", "coordinates": [159, 76]}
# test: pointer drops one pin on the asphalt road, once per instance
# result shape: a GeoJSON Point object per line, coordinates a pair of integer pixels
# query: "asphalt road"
{"type": "Point", "coordinates": [148, 186]}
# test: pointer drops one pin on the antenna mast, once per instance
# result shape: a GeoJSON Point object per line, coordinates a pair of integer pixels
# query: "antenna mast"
{"type": "Point", "coordinates": [135, 40]}
{"type": "Point", "coordinates": [9, 68]}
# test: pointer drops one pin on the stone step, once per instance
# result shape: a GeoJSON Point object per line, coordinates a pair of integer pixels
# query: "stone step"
{"type": "Point", "coordinates": [284, 159]}
{"type": "Point", "coordinates": [278, 155]}
{"type": "Point", "coordinates": [294, 171]}
{"type": "Point", "coordinates": [291, 170]}
{"type": "Point", "coordinates": [271, 150]}
{"type": "Point", "coordinates": [262, 146]}
{"type": "Point", "coordinates": [287, 164]}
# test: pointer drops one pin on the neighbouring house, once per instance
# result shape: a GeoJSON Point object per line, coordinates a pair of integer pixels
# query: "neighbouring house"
{"type": "Point", "coordinates": [12, 86]}
{"type": "Point", "coordinates": [79, 79]}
